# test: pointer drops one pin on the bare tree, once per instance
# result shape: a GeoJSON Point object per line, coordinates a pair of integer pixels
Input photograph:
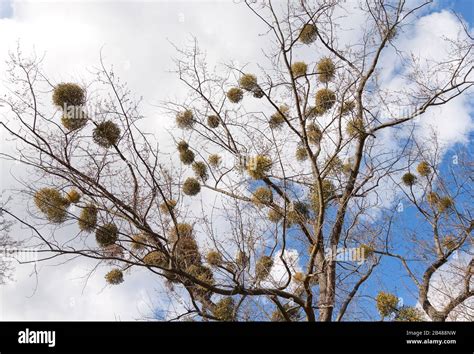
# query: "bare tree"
{"type": "Point", "coordinates": [288, 162]}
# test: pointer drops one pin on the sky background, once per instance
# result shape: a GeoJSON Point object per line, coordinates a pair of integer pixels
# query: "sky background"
{"type": "Point", "coordinates": [135, 37]}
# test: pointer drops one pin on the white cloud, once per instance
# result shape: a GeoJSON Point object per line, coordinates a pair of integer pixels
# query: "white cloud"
{"type": "Point", "coordinates": [279, 272]}
{"type": "Point", "coordinates": [425, 42]}
{"type": "Point", "coordinates": [67, 292]}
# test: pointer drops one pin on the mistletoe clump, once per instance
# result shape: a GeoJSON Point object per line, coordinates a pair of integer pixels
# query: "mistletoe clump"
{"type": "Point", "coordinates": [299, 68]}
{"type": "Point", "coordinates": [224, 309]}
{"type": "Point", "coordinates": [168, 206]}
{"type": "Point", "coordinates": [214, 258]}
{"type": "Point", "coordinates": [423, 169]}
{"type": "Point", "coordinates": [87, 220]}
{"type": "Point", "coordinates": [185, 119]}
{"type": "Point", "coordinates": [259, 166]}
{"type": "Point", "coordinates": [68, 94]}
{"type": "Point", "coordinates": [114, 277]}
{"type": "Point", "coordinates": [298, 277]}
{"type": "Point", "coordinates": [334, 165]}
{"type": "Point", "coordinates": [73, 196]}
{"type": "Point", "coordinates": [263, 267]}
{"type": "Point", "coordinates": [299, 212]}
{"type": "Point", "coordinates": [203, 274]}
{"type": "Point", "coordinates": [347, 168]}
{"type": "Point", "coordinates": [277, 119]}
{"type": "Point", "coordinates": [187, 252]}
{"type": "Point", "coordinates": [242, 259]}
{"type": "Point", "coordinates": [248, 82]}
{"type": "Point", "coordinates": [74, 119]}
{"type": "Point", "coordinates": [409, 179]}
{"type": "Point", "coordinates": [258, 92]}
{"type": "Point", "coordinates": [200, 170]}
{"type": "Point", "coordinates": [445, 204]}
{"type": "Point", "coordinates": [347, 107]}
{"type": "Point", "coordinates": [313, 133]}
{"type": "Point", "coordinates": [325, 99]}
{"type": "Point", "coordinates": [235, 95]}
{"type": "Point", "coordinates": [432, 198]}
{"type": "Point", "coordinates": [191, 186]}
{"type": "Point", "coordinates": [106, 235]}
{"type": "Point", "coordinates": [386, 303]}
{"type": "Point", "coordinates": [214, 160]}
{"type": "Point", "coordinates": [181, 230]}
{"type": "Point", "coordinates": [326, 70]}
{"type": "Point", "coordinates": [182, 146]}
{"type": "Point", "coordinates": [139, 241]}
{"type": "Point", "coordinates": [301, 154]}
{"type": "Point", "coordinates": [106, 134]}
{"type": "Point", "coordinates": [367, 250]}
{"type": "Point", "coordinates": [156, 259]}
{"type": "Point", "coordinates": [355, 127]}
{"type": "Point", "coordinates": [408, 314]}
{"type": "Point", "coordinates": [328, 189]}
{"type": "Point", "coordinates": [52, 204]}
{"type": "Point", "coordinates": [185, 154]}
{"type": "Point", "coordinates": [213, 121]}
{"type": "Point", "coordinates": [187, 157]}
{"type": "Point", "coordinates": [314, 112]}
{"type": "Point", "coordinates": [308, 34]}
{"type": "Point", "coordinates": [274, 216]}
{"type": "Point", "coordinates": [262, 196]}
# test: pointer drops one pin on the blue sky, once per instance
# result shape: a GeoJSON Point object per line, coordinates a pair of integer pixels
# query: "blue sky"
{"type": "Point", "coordinates": [6, 10]}
{"type": "Point", "coordinates": [464, 7]}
